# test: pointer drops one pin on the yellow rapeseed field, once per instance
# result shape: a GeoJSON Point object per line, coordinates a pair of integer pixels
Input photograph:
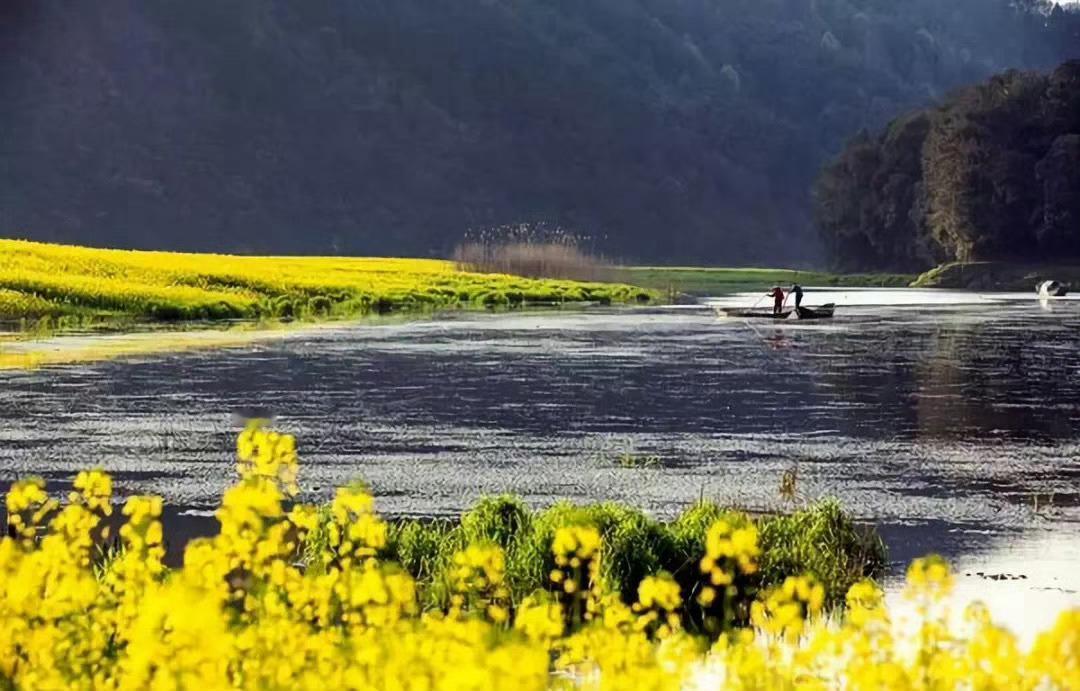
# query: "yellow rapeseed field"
{"type": "Point", "coordinates": [46, 280]}
{"type": "Point", "coordinates": [252, 609]}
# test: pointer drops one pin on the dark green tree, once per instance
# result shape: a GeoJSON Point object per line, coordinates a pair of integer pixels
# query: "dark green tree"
{"type": "Point", "coordinates": [989, 174]}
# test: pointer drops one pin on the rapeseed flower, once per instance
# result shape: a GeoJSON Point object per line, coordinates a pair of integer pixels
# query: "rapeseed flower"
{"type": "Point", "coordinates": [251, 609]}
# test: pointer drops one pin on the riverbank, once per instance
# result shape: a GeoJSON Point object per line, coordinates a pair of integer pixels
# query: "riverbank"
{"type": "Point", "coordinates": [997, 276]}
{"type": "Point", "coordinates": [72, 285]}
{"type": "Point", "coordinates": [702, 281]}
{"type": "Point", "coordinates": [64, 304]}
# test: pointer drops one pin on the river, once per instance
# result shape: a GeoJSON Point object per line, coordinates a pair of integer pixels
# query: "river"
{"type": "Point", "coordinates": [949, 420]}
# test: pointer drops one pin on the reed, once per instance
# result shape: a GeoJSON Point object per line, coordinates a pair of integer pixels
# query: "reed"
{"type": "Point", "coordinates": [537, 250]}
{"type": "Point", "coordinates": [533, 259]}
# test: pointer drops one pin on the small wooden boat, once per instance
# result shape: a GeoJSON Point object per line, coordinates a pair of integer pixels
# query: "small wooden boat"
{"type": "Point", "coordinates": [823, 312]}
{"type": "Point", "coordinates": [754, 314]}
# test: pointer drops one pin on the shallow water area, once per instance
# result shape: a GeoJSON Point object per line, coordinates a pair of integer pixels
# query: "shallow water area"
{"type": "Point", "coordinates": [1024, 583]}
{"type": "Point", "coordinates": [950, 420]}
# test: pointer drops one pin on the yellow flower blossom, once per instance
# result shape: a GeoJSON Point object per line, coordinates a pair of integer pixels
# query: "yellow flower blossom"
{"type": "Point", "coordinates": [249, 610]}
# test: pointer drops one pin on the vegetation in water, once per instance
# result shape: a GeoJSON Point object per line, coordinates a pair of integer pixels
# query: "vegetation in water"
{"type": "Point", "coordinates": [260, 606]}
{"type": "Point", "coordinates": [821, 540]}
{"type": "Point", "coordinates": [629, 459]}
{"type": "Point", "coordinates": [681, 131]}
{"type": "Point", "coordinates": [58, 281]}
{"type": "Point", "coordinates": [991, 174]}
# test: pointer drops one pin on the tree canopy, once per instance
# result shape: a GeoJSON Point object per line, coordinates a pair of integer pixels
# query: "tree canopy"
{"type": "Point", "coordinates": [991, 174]}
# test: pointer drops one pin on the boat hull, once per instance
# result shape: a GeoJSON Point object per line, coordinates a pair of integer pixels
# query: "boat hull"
{"type": "Point", "coordinates": [823, 312]}
{"type": "Point", "coordinates": [754, 314]}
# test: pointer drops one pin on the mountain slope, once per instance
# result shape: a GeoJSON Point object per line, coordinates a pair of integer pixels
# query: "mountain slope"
{"type": "Point", "coordinates": [678, 130]}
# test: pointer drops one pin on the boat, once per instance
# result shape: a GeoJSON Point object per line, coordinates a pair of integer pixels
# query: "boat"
{"type": "Point", "coordinates": [754, 314]}
{"type": "Point", "coordinates": [823, 312]}
{"type": "Point", "coordinates": [1052, 289]}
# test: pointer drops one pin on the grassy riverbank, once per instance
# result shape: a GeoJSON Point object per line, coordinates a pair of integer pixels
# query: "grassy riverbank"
{"type": "Point", "coordinates": [997, 276]}
{"type": "Point", "coordinates": [59, 282]}
{"type": "Point", "coordinates": [700, 281]}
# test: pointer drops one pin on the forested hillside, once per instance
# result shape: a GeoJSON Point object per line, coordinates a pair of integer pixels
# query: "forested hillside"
{"type": "Point", "coordinates": [991, 174]}
{"type": "Point", "coordinates": [670, 130]}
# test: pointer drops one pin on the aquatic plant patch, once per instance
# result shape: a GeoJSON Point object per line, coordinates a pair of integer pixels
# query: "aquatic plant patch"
{"type": "Point", "coordinates": [820, 540]}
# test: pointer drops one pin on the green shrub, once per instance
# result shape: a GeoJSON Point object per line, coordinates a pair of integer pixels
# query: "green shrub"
{"type": "Point", "coordinates": [494, 299]}
{"type": "Point", "coordinates": [319, 305]}
{"type": "Point", "coordinates": [419, 546]}
{"type": "Point", "coordinates": [626, 534]}
{"type": "Point", "coordinates": [821, 540]}
{"type": "Point", "coordinates": [504, 520]}
{"type": "Point", "coordinates": [824, 541]}
{"type": "Point", "coordinates": [688, 531]}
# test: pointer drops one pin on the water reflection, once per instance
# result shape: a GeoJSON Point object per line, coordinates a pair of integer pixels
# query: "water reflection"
{"type": "Point", "coordinates": [969, 386]}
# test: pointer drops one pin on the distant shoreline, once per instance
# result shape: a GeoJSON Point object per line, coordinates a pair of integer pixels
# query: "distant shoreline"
{"type": "Point", "coordinates": [1003, 276]}
{"type": "Point", "coordinates": [707, 281]}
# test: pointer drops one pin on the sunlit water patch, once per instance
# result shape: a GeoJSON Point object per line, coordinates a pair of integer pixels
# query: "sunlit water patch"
{"type": "Point", "coordinates": [1025, 583]}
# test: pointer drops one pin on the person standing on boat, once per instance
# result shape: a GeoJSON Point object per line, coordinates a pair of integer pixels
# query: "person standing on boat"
{"type": "Point", "coordinates": [777, 294]}
{"type": "Point", "coordinates": [796, 290]}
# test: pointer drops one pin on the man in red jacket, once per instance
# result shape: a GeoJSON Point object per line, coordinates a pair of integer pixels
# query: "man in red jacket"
{"type": "Point", "coordinates": [777, 294]}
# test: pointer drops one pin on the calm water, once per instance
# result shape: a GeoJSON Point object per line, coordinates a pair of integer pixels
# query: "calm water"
{"type": "Point", "coordinates": [949, 420]}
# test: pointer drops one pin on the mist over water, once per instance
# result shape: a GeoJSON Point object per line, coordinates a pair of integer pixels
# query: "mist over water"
{"type": "Point", "coordinates": [949, 420]}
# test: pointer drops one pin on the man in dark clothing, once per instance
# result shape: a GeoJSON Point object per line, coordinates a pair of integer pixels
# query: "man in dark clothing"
{"type": "Point", "coordinates": [777, 294]}
{"type": "Point", "coordinates": [796, 290]}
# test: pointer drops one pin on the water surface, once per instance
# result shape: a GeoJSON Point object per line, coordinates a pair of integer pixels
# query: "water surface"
{"type": "Point", "coordinates": [949, 420]}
